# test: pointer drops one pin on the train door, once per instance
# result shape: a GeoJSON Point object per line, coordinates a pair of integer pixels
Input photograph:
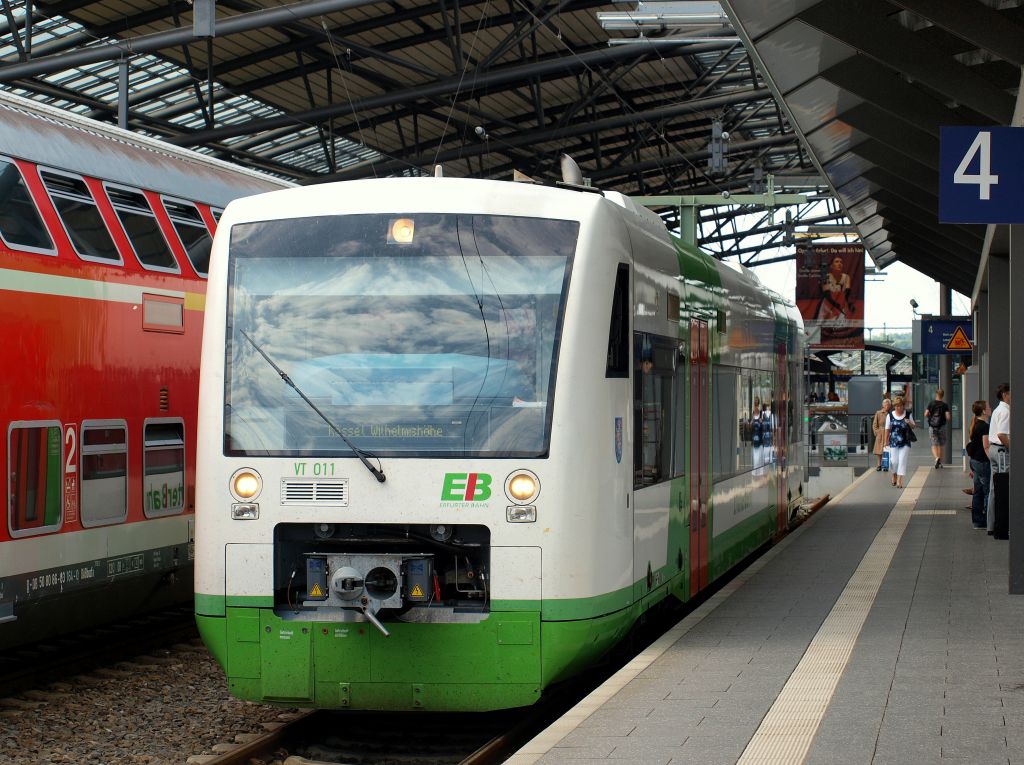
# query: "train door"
{"type": "Point", "coordinates": [699, 478]}
{"type": "Point", "coordinates": [781, 435]}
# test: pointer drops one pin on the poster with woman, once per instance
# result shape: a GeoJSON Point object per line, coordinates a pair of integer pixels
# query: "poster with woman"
{"type": "Point", "coordinates": [830, 294]}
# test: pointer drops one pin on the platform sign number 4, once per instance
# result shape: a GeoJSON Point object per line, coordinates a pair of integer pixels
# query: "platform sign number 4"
{"type": "Point", "coordinates": [981, 175]}
{"type": "Point", "coordinates": [984, 178]}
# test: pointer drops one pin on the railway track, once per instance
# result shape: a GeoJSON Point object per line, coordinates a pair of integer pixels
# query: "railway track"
{"type": "Point", "coordinates": [358, 738]}
{"type": "Point", "coordinates": [36, 665]}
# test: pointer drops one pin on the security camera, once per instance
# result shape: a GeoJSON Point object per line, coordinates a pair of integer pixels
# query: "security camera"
{"type": "Point", "coordinates": [726, 193]}
{"type": "Point", "coordinates": [913, 303]}
{"type": "Point", "coordinates": [725, 135]}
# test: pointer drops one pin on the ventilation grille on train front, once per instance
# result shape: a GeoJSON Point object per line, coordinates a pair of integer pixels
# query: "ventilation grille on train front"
{"type": "Point", "coordinates": [314, 491]}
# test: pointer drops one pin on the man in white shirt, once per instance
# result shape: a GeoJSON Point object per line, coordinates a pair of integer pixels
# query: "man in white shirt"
{"type": "Point", "coordinates": [999, 427]}
{"type": "Point", "coordinates": [996, 441]}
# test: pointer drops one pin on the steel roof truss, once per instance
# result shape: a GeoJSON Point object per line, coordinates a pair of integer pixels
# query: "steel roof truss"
{"type": "Point", "coordinates": [867, 26]}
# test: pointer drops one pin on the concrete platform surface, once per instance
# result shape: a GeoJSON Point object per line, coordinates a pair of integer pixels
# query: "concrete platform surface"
{"type": "Point", "coordinates": [880, 631]}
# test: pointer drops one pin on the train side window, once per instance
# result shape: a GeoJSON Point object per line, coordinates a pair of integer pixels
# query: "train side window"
{"type": "Point", "coordinates": [163, 467]}
{"type": "Point", "coordinates": [681, 407]}
{"type": "Point", "coordinates": [192, 231]}
{"type": "Point", "coordinates": [618, 331]}
{"type": "Point", "coordinates": [21, 225]}
{"type": "Point", "coordinates": [142, 228]}
{"type": "Point", "coordinates": [216, 212]}
{"type": "Point", "coordinates": [104, 472]}
{"type": "Point", "coordinates": [80, 216]}
{"type": "Point", "coordinates": [725, 403]}
{"type": "Point", "coordinates": [653, 408]}
{"type": "Point", "coordinates": [35, 470]}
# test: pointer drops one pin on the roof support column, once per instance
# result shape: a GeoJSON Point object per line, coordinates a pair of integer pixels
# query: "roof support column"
{"type": "Point", "coordinates": [946, 370]}
{"type": "Point", "coordinates": [1016, 378]}
{"type": "Point", "coordinates": [998, 327]}
{"type": "Point", "coordinates": [981, 346]}
{"type": "Point", "coordinates": [122, 93]}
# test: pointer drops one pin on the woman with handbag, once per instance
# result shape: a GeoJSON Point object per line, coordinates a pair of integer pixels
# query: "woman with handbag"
{"type": "Point", "coordinates": [878, 428]}
{"type": "Point", "coordinates": [899, 434]}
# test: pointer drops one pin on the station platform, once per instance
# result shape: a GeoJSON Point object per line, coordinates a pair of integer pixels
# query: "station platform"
{"type": "Point", "coordinates": [879, 631]}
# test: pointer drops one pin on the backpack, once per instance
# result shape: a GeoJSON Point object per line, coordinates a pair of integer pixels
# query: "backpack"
{"type": "Point", "coordinates": [937, 418]}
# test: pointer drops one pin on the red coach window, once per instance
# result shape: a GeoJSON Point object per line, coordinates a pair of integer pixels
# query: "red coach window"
{"type": "Point", "coordinates": [104, 472]}
{"type": "Point", "coordinates": [81, 217]}
{"type": "Point", "coordinates": [192, 231]}
{"type": "Point", "coordinates": [141, 226]}
{"type": "Point", "coordinates": [21, 226]}
{"type": "Point", "coordinates": [34, 451]}
{"type": "Point", "coordinates": [163, 481]}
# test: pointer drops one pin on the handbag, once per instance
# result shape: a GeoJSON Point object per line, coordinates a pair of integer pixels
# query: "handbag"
{"type": "Point", "coordinates": [911, 435]}
{"type": "Point", "coordinates": [885, 459]}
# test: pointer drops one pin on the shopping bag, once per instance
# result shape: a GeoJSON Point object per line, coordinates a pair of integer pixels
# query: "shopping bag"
{"type": "Point", "coordinates": [885, 460]}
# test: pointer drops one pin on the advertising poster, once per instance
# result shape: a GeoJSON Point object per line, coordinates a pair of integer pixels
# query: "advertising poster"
{"type": "Point", "coordinates": [830, 294]}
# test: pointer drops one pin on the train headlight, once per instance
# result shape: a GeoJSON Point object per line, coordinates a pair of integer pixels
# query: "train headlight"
{"type": "Point", "coordinates": [522, 487]}
{"type": "Point", "coordinates": [245, 484]}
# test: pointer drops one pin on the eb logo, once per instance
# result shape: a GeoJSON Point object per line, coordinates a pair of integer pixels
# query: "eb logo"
{"type": "Point", "coordinates": [466, 487]}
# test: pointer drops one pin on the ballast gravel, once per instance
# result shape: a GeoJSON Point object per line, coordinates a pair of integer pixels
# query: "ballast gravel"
{"type": "Point", "coordinates": [165, 708]}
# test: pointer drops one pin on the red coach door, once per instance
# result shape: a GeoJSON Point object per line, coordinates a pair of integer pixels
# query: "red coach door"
{"type": "Point", "coordinates": [699, 478]}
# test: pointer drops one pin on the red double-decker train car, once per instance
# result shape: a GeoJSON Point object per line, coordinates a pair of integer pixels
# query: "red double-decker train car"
{"type": "Point", "coordinates": [104, 245]}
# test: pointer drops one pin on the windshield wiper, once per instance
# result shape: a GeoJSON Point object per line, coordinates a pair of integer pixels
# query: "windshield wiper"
{"type": "Point", "coordinates": [362, 455]}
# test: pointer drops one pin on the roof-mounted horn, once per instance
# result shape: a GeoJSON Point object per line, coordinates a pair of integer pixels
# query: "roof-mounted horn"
{"type": "Point", "coordinates": [571, 173]}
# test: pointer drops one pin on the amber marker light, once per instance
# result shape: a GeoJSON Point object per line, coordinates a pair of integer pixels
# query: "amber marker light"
{"type": "Point", "coordinates": [401, 231]}
{"type": "Point", "coordinates": [245, 484]}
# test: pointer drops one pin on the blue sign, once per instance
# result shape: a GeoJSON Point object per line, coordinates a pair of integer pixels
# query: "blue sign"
{"type": "Point", "coordinates": [981, 175]}
{"type": "Point", "coordinates": [947, 336]}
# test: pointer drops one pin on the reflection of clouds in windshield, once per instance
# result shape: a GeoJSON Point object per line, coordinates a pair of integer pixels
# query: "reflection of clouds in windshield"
{"type": "Point", "coordinates": [311, 290]}
{"type": "Point", "coordinates": [352, 325]}
{"type": "Point", "coordinates": [424, 275]}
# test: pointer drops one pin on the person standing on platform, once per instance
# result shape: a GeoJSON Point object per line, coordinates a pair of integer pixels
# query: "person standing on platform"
{"type": "Point", "coordinates": [937, 416]}
{"type": "Point", "coordinates": [898, 426]}
{"type": "Point", "coordinates": [978, 434]}
{"type": "Point", "coordinates": [878, 428]}
{"type": "Point", "coordinates": [998, 443]}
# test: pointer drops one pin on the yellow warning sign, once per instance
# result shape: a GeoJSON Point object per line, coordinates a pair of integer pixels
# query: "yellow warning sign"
{"type": "Point", "coordinates": [959, 341]}
{"type": "Point", "coordinates": [316, 592]}
{"type": "Point", "coordinates": [417, 591]}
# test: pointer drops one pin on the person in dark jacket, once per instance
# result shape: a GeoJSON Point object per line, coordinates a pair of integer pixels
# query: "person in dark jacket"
{"type": "Point", "coordinates": [937, 415]}
{"type": "Point", "coordinates": [979, 461]}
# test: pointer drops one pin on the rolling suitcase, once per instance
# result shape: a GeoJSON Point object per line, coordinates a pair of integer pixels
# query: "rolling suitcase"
{"type": "Point", "coordinates": [1001, 505]}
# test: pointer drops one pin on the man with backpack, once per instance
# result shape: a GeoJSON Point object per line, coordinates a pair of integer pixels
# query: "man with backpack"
{"type": "Point", "coordinates": [937, 415]}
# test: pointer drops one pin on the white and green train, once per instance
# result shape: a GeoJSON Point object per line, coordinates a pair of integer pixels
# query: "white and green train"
{"type": "Point", "coordinates": [456, 436]}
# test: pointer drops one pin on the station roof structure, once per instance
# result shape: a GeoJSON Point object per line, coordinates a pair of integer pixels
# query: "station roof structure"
{"type": "Point", "coordinates": [867, 84]}
{"type": "Point", "coordinates": [319, 90]}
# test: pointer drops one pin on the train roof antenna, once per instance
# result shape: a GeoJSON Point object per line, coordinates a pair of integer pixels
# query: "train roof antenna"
{"type": "Point", "coordinates": [362, 455]}
{"type": "Point", "coordinates": [438, 171]}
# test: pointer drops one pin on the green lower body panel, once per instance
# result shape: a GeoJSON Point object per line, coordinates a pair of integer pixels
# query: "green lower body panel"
{"type": "Point", "coordinates": [497, 663]}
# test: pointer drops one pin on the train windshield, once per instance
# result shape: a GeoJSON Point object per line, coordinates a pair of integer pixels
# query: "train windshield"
{"type": "Point", "coordinates": [414, 334]}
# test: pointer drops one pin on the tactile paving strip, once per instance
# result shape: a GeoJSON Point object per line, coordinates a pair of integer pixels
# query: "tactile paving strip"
{"type": "Point", "coordinates": [787, 731]}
